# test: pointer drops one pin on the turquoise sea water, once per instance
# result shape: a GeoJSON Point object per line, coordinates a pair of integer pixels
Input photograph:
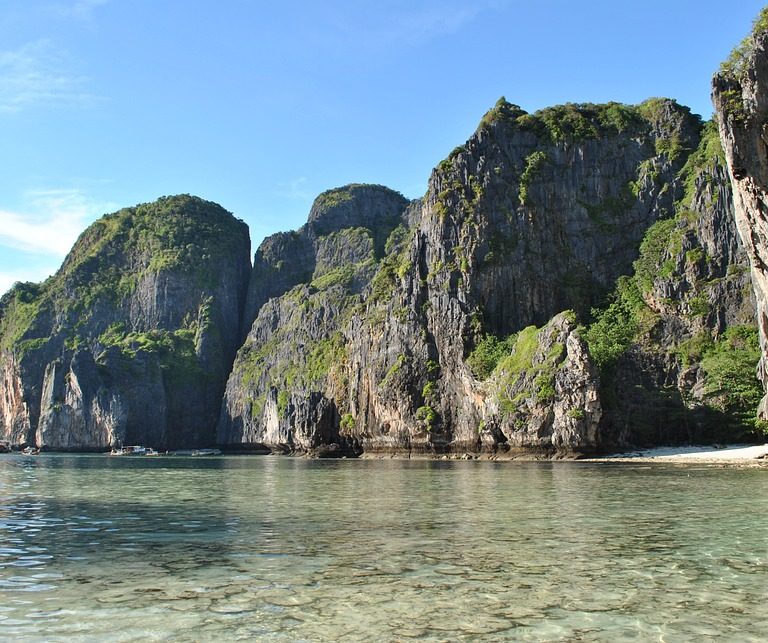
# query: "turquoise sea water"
{"type": "Point", "coordinates": [228, 548]}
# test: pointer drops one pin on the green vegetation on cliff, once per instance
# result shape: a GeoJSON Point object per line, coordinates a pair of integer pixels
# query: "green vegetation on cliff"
{"type": "Point", "coordinates": [628, 315]}
{"type": "Point", "coordinates": [526, 361]}
{"type": "Point", "coordinates": [106, 264]}
{"type": "Point", "coordinates": [306, 351]}
{"type": "Point", "coordinates": [376, 301]}
{"type": "Point", "coordinates": [335, 197]}
{"type": "Point", "coordinates": [393, 267]}
{"type": "Point", "coordinates": [663, 315]}
{"type": "Point", "coordinates": [339, 210]}
{"type": "Point", "coordinates": [616, 327]}
{"type": "Point", "coordinates": [488, 352]}
{"type": "Point", "coordinates": [516, 358]}
{"type": "Point", "coordinates": [173, 233]}
{"type": "Point", "coordinates": [735, 65]}
{"type": "Point", "coordinates": [733, 71]}
{"type": "Point", "coordinates": [175, 350]}
{"type": "Point", "coordinates": [578, 122]}
{"type": "Point", "coordinates": [19, 310]}
{"type": "Point", "coordinates": [729, 363]}
{"type": "Point", "coordinates": [147, 300]}
{"type": "Point", "coordinates": [703, 161]}
{"type": "Point", "coordinates": [534, 163]}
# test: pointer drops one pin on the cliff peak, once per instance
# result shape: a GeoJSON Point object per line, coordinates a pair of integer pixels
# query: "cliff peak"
{"type": "Point", "coordinates": [354, 205]}
{"type": "Point", "coordinates": [578, 122]}
{"type": "Point", "coordinates": [737, 65]}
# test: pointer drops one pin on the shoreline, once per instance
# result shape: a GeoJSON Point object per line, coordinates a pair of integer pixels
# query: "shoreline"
{"type": "Point", "coordinates": [735, 455]}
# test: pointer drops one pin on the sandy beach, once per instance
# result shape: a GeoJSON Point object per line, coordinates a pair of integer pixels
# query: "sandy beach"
{"type": "Point", "coordinates": [735, 454]}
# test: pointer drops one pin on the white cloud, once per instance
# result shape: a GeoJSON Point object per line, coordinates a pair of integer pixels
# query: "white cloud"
{"type": "Point", "coordinates": [51, 222]}
{"type": "Point", "coordinates": [39, 73]}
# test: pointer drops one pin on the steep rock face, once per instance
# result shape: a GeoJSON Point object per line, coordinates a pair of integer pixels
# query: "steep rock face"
{"type": "Point", "coordinates": [740, 95]}
{"type": "Point", "coordinates": [534, 214]}
{"type": "Point", "coordinates": [75, 413]}
{"type": "Point", "coordinates": [288, 382]}
{"type": "Point", "coordinates": [540, 213]}
{"type": "Point", "coordinates": [550, 394]}
{"type": "Point", "coordinates": [571, 281]}
{"type": "Point", "coordinates": [282, 261]}
{"type": "Point", "coordinates": [133, 338]}
{"type": "Point", "coordinates": [287, 259]}
{"type": "Point", "coordinates": [683, 316]}
{"type": "Point", "coordinates": [14, 410]}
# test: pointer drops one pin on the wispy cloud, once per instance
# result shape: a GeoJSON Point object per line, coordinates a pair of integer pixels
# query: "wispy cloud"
{"type": "Point", "coordinates": [417, 26]}
{"type": "Point", "coordinates": [39, 73]}
{"type": "Point", "coordinates": [295, 189]}
{"type": "Point", "coordinates": [50, 223]}
{"type": "Point", "coordinates": [414, 25]}
{"type": "Point", "coordinates": [82, 9]}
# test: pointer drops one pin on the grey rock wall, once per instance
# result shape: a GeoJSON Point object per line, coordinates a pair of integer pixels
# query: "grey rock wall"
{"type": "Point", "coordinates": [740, 96]}
{"type": "Point", "coordinates": [535, 214]}
{"type": "Point", "coordinates": [133, 339]}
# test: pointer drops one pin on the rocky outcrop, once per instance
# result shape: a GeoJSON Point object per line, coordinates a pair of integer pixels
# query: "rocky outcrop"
{"type": "Point", "coordinates": [450, 340]}
{"type": "Point", "coordinates": [132, 340]}
{"type": "Point", "coordinates": [740, 95]}
{"type": "Point", "coordinates": [287, 259]}
{"type": "Point", "coordinates": [545, 394]}
{"type": "Point", "coordinates": [14, 409]}
{"type": "Point", "coordinates": [572, 281]}
{"type": "Point", "coordinates": [535, 213]}
{"type": "Point", "coordinates": [78, 415]}
{"type": "Point", "coordinates": [289, 377]}
{"type": "Point", "coordinates": [681, 321]}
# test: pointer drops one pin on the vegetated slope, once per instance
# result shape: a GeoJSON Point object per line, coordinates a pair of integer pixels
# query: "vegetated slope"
{"type": "Point", "coordinates": [677, 344]}
{"type": "Point", "coordinates": [133, 338]}
{"type": "Point", "coordinates": [454, 338]}
{"type": "Point", "coordinates": [740, 95]}
{"type": "Point", "coordinates": [306, 287]}
{"type": "Point", "coordinates": [571, 281]}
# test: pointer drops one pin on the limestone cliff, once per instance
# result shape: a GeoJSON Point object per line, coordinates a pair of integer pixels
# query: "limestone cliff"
{"type": "Point", "coordinates": [289, 378]}
{"type": "Point", "coordinates": [571, 281]}
{"type": "Point", "coordinates": [677, 343]}
{"type": "Point", "coordinates": [287, 259]}
{"type": "Point", "coordinates": [740, 95]}
{"type": "Point", "coordinates": [133, 338]}
{"type": "Point", "coordinates": [451, 339]}
{"type": "Point", "coordinates": [533, 215]}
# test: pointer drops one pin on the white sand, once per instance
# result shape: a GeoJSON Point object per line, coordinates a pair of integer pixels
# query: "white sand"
{"type": "Point", "coordinates": [730, 453]}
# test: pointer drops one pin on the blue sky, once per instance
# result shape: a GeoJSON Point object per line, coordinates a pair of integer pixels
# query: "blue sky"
{"type": "Point", "coordinates": [260, 105]}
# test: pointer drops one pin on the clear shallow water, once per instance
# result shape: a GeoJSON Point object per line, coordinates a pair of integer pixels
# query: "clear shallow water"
{"type": "Point", "coordinates": [93, 547]}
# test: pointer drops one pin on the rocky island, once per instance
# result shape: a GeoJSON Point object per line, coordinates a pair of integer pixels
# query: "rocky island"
{"type": "Point", "coordinates": [575, 280]}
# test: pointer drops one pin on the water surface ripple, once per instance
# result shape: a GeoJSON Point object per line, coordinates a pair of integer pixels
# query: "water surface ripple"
{"type": "Point", "coordinates": [130, 549]}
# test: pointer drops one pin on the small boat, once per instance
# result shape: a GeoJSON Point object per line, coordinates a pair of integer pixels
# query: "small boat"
{"type": "Point", "coordinates": [30, 451]}
{"type": "Point", "coordinates": [133, 450]}
{"type": "Point", "coordinates": [199, 452]}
